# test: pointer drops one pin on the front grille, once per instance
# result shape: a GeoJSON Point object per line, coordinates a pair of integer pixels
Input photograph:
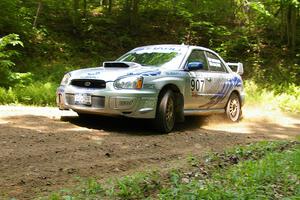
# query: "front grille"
{"type": "Point", "coordinates": [97, 101]}
{"type": "Point", "coordinates": [89, 83]}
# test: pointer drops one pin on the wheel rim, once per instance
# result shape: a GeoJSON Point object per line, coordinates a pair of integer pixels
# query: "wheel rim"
{"type": "Point", "coordinates": [170, 113]}
{"type": "Point", "coordinates": [234, 109]}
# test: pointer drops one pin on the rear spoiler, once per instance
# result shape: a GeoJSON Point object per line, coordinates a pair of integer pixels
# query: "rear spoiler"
{"type": "Point", "coordinates": [236, 67]}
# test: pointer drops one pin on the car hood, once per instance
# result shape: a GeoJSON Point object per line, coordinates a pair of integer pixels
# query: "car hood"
{"type": "Point", "coordinates": [112, 74]}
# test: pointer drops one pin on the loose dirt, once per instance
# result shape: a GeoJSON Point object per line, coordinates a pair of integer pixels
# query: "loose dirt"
{"type": "Point", "coordinates": [43, 150]}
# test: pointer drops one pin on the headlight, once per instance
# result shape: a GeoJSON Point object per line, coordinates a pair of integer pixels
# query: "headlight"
{"type": "Point", "coordinates": [129, 83]}
{"type": "Point", "coordinates": [65, 79]}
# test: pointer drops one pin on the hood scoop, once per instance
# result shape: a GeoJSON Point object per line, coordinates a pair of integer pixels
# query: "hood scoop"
{"type": "Point", "coordinates": [117, 64]}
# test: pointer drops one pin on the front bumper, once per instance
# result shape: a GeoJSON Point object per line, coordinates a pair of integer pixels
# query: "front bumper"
{"type": "Point", "coordinates": [110, 101]}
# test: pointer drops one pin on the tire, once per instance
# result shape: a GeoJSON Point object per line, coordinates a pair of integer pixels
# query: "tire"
{"type": "Point", "coordinates": [233, 108]}
{"type": "Point", "coordinates": [165, 112]}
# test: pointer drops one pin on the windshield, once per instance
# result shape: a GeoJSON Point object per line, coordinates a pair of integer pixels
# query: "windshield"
{"type": "Point", "coordinates": [157, 56]}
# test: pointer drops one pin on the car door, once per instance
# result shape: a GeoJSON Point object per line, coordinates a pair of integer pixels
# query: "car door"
{"type": "Point", "coordinates": [215, 80]}
{"type": "Point", "coordinates": [196, 96]}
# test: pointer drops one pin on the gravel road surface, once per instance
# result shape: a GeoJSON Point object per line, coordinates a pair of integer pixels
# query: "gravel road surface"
{"type": "Point", "coordinates": [43, 149]}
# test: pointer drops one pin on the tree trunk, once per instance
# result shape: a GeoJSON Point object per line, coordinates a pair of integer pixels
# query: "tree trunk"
{"type": "Point", "coordinates": [134, 12]}
{"type": "Point", "coordinates": [75, 14]}
{"type": "Point", "coordinates": [37, 14]}
{"type": "Point", "coordinates": [283, 22]}
{"type": "Point", "coordinates": [127, 7]}
{"type": "Point", "coordinates": [174, 4]}
{"type": "Point", "coordinates": [293, 24]}
{"type": "Point", "coordinates": [289, 14]}
{"type": "Point", "coordinates": [84, 8]}
{"type": "Point", "coordinates": [110, 4]}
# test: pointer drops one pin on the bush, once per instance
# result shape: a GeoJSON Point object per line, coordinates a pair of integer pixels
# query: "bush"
{"type": "Point", "coordinates": [35, 94]}
{"type": "Point", "coordinates": [6, 64]}
{"type": "Point", "coordinates": [7, 96]}
{"type": "Point", "coordinates": [274, 98]}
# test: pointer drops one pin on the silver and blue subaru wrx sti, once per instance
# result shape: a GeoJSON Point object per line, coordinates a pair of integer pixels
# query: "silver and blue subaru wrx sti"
{"type": "Point", "coordinates": [160, 82]}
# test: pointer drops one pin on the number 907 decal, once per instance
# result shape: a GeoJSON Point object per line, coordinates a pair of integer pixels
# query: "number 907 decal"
{"type": "Point", "coordinates": [197, 86]}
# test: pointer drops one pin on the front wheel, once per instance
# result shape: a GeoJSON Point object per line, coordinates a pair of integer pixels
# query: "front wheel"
{"type": "Point", "coordinates": [165, 113]}
{"type": "Point", "coordinates": [233, 108]}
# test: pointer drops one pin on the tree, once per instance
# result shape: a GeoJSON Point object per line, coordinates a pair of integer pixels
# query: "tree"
{"type": "Point", "coordinates": [6, 55]}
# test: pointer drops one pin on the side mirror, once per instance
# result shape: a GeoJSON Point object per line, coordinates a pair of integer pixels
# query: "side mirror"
{"type": "Point", "coordinates": [193, 66]}
{"type": "Point", "coordinates": [237, 67]}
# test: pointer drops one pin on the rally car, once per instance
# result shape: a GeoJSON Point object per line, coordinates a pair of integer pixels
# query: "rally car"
{"type": "Point", "coordinates": [159, 82]}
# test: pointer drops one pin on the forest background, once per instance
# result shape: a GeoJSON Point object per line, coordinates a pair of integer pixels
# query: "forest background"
{"type": "Point", "coordinates": [43, 39]}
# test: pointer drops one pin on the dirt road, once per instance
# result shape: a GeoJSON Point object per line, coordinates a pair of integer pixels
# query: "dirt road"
{"type": "Point", "coordinates": [43, 149]}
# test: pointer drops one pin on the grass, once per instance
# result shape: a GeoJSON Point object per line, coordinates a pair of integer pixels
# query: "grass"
{"type": "Point", "coordinates": [264, 170]}
{"type": "Point", "coordinates": [289, 100]}
{"type": "Point", "coordinates": [275, 176]}
{"type": "Point", "coordinates": [42, 94]}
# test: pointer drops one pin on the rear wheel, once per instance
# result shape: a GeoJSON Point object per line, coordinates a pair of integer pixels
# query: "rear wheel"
{"type": "Point", "coordinates": [165, 113]}
{"type": "Point", "coordinates": [233, 108]}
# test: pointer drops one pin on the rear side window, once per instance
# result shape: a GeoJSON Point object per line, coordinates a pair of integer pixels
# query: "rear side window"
{"type": "Point", "coordinates": [215, 64]}
{"type": "Point", "coordinates": [198, 56]}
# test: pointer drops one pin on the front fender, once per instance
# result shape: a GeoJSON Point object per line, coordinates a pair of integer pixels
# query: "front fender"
{"type": "Point", "coordinates": [177, 81]}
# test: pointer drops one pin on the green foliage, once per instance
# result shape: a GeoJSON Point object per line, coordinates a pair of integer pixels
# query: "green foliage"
{"type": "Point", "coordinates": [284, 98]}
{"type": "Point", "coordinates": [59, 36]}
{"type": "Point", "coordinates": [55, 196]}
{"type": "Point", "coordinates": [273, 177]}
{"type": "Point", "coordinates": [192, 160]}
{"type": "Point", "coordinates": [7, 96]}
{"type": "Point", "coordinates": [34, 94]}
{"type": "Point", "coordinates": [93, 187]}
{"type": "Point", "coordinates": [136, 187]}
{"type": "Point", "coordinates": [6, 64]}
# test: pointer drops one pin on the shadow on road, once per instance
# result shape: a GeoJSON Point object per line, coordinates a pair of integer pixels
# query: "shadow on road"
{"type": "Point", "coordinates": [130, 125]}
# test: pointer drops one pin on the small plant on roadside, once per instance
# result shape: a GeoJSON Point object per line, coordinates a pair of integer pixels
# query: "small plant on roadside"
{"type": "Point", "coordinates": [137, 186]}
{"type": "Point", "coordinates": [192, 160]}
{"type": "Point", "coordinates": [93, 187]}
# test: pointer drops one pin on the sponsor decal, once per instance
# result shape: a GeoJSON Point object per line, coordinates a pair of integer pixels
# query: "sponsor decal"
{"type": "Point", "coordinates": [175, 73]}
{"type": "Point", "coordinates": [157, 49]}
{"type": "Point", "coordinates": [88, 77]}
{"type": "Point", "coordinates": [93, 73]}
{"type": "Point", "coordinates": [150, 73]}
{"type": "Point", "coordinates": [227, 87]}
{"type": "Point", "coordinates": [214, 62]}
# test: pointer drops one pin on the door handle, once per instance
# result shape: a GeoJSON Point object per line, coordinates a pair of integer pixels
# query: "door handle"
{"type": "Point", "coordinates": [208, 79]}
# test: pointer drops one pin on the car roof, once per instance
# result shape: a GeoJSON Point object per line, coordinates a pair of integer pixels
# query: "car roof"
{"type": "Point", "coordinates": [175, 46]}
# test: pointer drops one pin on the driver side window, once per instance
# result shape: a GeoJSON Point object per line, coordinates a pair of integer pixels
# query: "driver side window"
{"type": "Point", "coordinates": [198, 56]}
